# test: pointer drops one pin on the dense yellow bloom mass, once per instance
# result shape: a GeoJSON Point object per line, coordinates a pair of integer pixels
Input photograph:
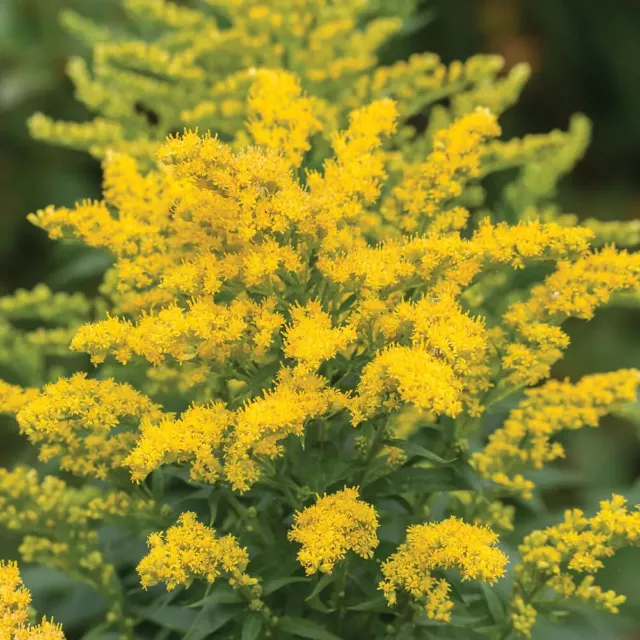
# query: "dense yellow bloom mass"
{"type": "Point", "coordinates": [191, 550]}
{"type": "Point", "coordinates": [328, 263]}
{"type": "Point", "coordinates": [14, 610]}
{"type": "Point", "coordinates": [524, 440]}
{"type": "Point", "coordinates": [575, 289]}
{"type": "Point", "coordinates": [552, 557]}
{"type": "Point", "coordinates": [412, 375]}
{"type": "Point", "coordinates": [279, 116]}
{"type": "Point", "coordinates": [13, 398]}
{"type": "Point", "coordinates": [311, 340]}
{"type": "Point", "coordinates": [334, 525]}
{"type": "Point", "coordinates": [88, 424]}
{"type": "Point", "coordinates": [196, 436]}
{"type": "Point", "coordinates": [450, 544]}
{"type": "Point", "coordinates": [261, 425]}
{"type": "Point", "coordinates": [455, 158]}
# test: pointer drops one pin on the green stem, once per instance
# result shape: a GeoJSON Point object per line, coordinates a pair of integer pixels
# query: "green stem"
{"type": "Point", "coordinates": [376, 446]}
{"type": "Point", "coordinates": [340, 593]}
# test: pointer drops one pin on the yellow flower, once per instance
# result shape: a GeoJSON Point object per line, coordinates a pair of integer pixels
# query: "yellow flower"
{"type": "Point", "coordinates": [196, 436]}
{"type": "Point", "coordinates": [311, 339]}
{"type": "Point", "coordinates": [557, 555]}
{"type": "Point", "coordinates": [191, 550]}
{"type": "Point", "coordinates": [13, 398]}
{"type": "Point", "coordinates": [14, 610]}
{"type": "Point", "coordinates": [261, 425]}
{"type": "Point", "coordinates": [88, 424]}
{"type": "Point", "coordinates": [280, 117]}
{"type": "Point", "coordinates": [450, 544]}
{"type": "Point", "coordinates": [335, 524]}
{"type": "Point", "coordinates": [524, 440]}
{"type": "Point", "coordinates": [575, 289]}
{"type": "Point", "coordinates": [455, 158]}
{"type": "Point", "coordinates": [412, 375]}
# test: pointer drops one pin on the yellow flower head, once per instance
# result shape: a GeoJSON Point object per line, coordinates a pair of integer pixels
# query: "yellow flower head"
{"type": "Point", "coordinates": [89, 424]}
{"type": "Point", "coordinates": [524, 440]}
{"type": "Point", "coordinates": [280, 117]}
{"type": "Point", "coordinates": [14, 610]}
{"type": "Point", "coordinates": [13, 398]}
{"type": "Point", "coordinates": [261, 425]}
{"type": "Point", "coordinates": [191, 550]}
{"type": "Point", "coordinates": [450, 544]}
{"type": "Point", "coordinates": [337, 523]}
{"type": "Point", "coordinates": [311, 339]}
{"type": "Point", "coordinates": [411, 375]}
{"type": "Point", "coordinates": [557, 555]}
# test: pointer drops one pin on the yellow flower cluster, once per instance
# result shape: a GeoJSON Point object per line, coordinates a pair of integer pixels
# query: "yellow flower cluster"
{"type": "Point", "coordinates": [57, 523]}
{"type": "Point", "coordinates": [450, 544]}
{"type": "Point", "coordinates": [575, 289]}
{"type": "Point", "coordinates": [455, 158]}
{"type": "Point", "coordinates": [230, 444]}
{"type": "Point", "coordinates": [14, 610]}
{"type": "Point", "coordinates": [13, 398]}
{"type": "Point", "coordinates": [551, 558]}
{"type": "Point", "coordinates": [334, 525]}
{"type": "Point", "coordinates": [191, 550]}
{"type": "Point", "coordinates": [524, 440]}
{"type": "Point", "coordinates": [279, 117]}
{"type": "Point", "coordinates": [311, 339]}
{"type": "Point", "coordinates": [54, 519]}
{"type": "Point", "coordinates": [89, 424]}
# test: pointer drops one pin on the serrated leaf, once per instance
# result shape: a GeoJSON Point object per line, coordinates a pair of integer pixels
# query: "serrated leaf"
{"type": "Point", "coordinates": [305, 629]}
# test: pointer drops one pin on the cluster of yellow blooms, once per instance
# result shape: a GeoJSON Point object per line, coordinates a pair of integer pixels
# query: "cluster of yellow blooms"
{"type": "Point", "coordinates": [191, 550]}
{"type": "Point", "coordinates": [450, 544]}
{"type": "Point", "coordinates": [293, 295]}
{"type": "Point", "coordinates": [14, 610]}
{"type": "Point", "coordinates": [524, 440]}
{"type": "Point", "coordinates": [334, 525]}
{"type": "Point", "coordinates": [74, 420]}
{"type": "Point", "coordinates": [551, 558]}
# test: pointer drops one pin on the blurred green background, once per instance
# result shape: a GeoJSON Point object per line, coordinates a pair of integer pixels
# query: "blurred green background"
{"type": "Point", "coordinates": [585, 56]}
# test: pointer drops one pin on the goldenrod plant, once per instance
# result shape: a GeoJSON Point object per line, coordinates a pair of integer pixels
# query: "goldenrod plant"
{"type": "Point", "coordinates": [312, 317]}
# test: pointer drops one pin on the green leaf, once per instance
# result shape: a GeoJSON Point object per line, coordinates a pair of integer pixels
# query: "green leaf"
{"type": "Point", "coordinates": [274, 585]}
{"type": "Point", "coordinates": [209, 620]}
{"type": "Point", "coordinates": [251, 627]}
{"type": "Point", "coordinates": [418, 451]}
{"type": "Point", "coordinates": [171, 617]}
{"type": "Point", "coordinates": [305, 629]}
{"type": "Point", "coordinates": [494, 604]}
{"type": "Point", "coordinates": [321, 585]}
{"type": "Point", "coordinates": [377, 603]}
{"type": "Point", "coordinates": [420, 480]}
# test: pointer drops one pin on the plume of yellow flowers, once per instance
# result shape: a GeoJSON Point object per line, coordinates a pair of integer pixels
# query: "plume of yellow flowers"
{"type": "Point", "coordinates": [309, 275]}
{"type": "Point", "coordinates": [13, 397]}
{"type": "Point", "coordinates": [14, 610]}
{"type": "Point", "coordinates": [553, 559]}
{"type": "Point", "coordinates": [334, 525]}
{"type": "Point", "coordinates": [191, 550]}
{"type": "Point", "coordinates": [88, 424]}
{"type": "Point", "coordinates": [450, 544]}
{"type": "Point", "coordinates": [524, 440]}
